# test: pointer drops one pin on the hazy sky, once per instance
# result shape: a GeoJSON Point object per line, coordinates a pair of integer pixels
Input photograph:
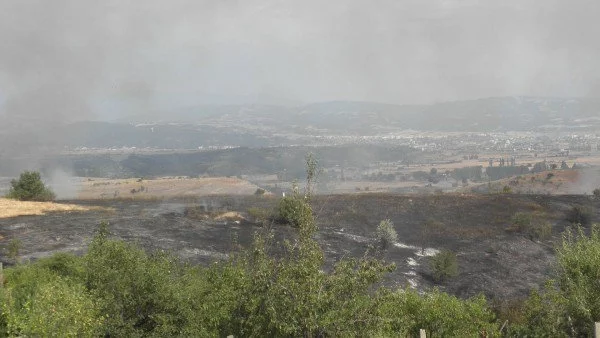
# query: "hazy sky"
{"type": "Point", "coordinates": [60, 59]}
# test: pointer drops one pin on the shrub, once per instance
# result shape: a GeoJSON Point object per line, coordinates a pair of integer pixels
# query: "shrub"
{"type": "Point", "coordinates": [294, 210]}
{"type": "Point", "coordinates": [531, 225]}
{"type": "Point", "coordinates": [580, 215]}
{"type": "Point", "coordinates": [579, 279]}
{"type": "Point", "coordinates": [596, 193]}
{"type": "Point", "coordinates": [14, 248]}
{"type": "Point", "coordinates": [405, 312]}
{"type": "Point", "coordinates": [39, 303]}
{"type": "Point", "coordinates": [540, 230]}
{"type": "Point", "coordinates": [259, 192]}
{"type": "Point", "coordinates": [386, 234]}
{"type": "Point", "coordinates": [259, 214]}
{"type": "Point", "coordinates": [444, 265]}
{"type": "Point", "coordinates": [521, 221]}
{"type": "Point", "coordinates": [569, 305]}
{"type": "Point", "coordinates": [29, 187]}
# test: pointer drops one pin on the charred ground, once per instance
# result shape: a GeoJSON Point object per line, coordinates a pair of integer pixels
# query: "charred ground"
{"type": "Point", "coordinates": [492, 259]}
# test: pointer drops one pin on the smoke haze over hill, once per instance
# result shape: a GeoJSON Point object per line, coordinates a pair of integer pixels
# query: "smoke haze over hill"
{"type": "Point", "coordinates": [77, 60]}
{"type": "Point", "coordinates": [75, 56]}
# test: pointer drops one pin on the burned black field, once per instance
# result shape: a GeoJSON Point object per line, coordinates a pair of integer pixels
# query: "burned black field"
{"type": "Point", "coordinates": [493, 258]}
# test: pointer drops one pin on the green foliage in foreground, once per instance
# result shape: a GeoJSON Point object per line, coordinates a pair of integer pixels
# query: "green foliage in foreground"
{"type": "Point", "coordinates": [30, 187]}
{"type": "Point", "coordinates": [569, 305]}
{"type": "Point", "coordinates": [117, 289]}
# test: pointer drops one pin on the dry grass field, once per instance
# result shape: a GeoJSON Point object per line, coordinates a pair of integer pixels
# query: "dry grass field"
{"type": "Point", "coordinates": [555, 182]}
{"type": "Point", "coordinates": [13, 208]}
{"type": "Point", "coordinates": [167, 187]}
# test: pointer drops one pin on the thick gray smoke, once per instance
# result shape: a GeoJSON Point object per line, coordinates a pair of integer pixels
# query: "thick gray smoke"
{"type": "Point", "coordinates": [64, 60]}
{"type": "Point", "coordinates": [57, 65]}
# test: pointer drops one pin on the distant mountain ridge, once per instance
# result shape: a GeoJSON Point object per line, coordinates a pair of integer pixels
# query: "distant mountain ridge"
{"type": "Point", "coordinates": [481, 115]}
{"type": "Point", "coordinates": [335, 122]}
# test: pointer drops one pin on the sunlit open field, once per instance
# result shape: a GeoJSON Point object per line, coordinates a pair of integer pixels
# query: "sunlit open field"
{"type": "Point", "coordinates": [163, 188]}
{"type": "Point", "coordinates": [13, 208]}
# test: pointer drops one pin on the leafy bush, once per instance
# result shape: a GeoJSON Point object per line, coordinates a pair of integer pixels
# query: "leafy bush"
{"type": "Point", "coordinates": [532, 225]}
{"type": "Point", "coordinates": [38, 302]}
{"type": "Point", "coordinates": [386, 234]}
{"type": "Point", "coordinates": [259, 192]}
{"type": "Point", "coordinates": [569, 305]}
{"type": "Point", "coordinates": [540, 230]}
{"type": "Point", "coordinates": [596, 193]}
{"type": "Point", "coordinates": [521, 221]}
{"type": "Point", "coordinates": [580, 215]}
{"type": "Point", "coordinates": [444, 265]}
{"type": "Point", "coordinates": [294, 210]}
{"type": "Point", "coordinates": [14, 248]}
{"type": "Point", "coordinates": [29, 187]}
{"type": "Point", "coordinates": [138, 293]}
{"type": "Point", "coordinates": [259, 214]}
{"type": "Point", "coordinates": [579, 276]}
{"type": "Point", "coordinates": [440, 314]}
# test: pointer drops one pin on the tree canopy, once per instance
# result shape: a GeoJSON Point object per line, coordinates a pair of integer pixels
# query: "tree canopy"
{"type": "Point", "coordinates": [30, 187]}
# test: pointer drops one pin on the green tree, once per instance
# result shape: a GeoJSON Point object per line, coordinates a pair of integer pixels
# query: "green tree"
{"type": "Point", "coordinates": [30, 187]}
